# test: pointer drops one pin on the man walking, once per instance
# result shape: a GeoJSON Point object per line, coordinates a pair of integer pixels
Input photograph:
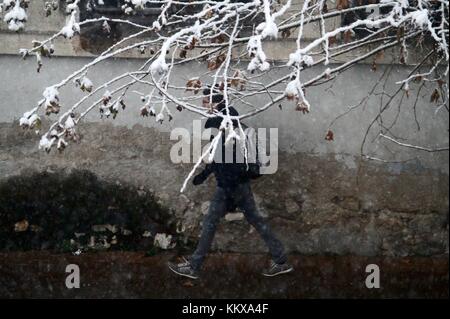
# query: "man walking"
{"type": "Point", "coordinates": [233, 191]}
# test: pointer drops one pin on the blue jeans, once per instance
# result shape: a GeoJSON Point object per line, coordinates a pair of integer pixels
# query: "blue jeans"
{"type": "Point", "coordinates": [240, 196]}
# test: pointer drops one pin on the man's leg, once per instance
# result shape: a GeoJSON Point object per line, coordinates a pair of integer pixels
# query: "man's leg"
{"type": "Point", "coordinates": [247, 203]}
{"type": "Point", "coordinates": [217, 209]}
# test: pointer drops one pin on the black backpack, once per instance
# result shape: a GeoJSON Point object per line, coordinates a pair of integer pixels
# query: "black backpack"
{"type": "Point", "coordinates": [254, 166]}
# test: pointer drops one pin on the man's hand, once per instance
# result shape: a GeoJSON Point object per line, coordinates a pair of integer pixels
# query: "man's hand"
{"type": "Point", "coordinates": [198, 179]}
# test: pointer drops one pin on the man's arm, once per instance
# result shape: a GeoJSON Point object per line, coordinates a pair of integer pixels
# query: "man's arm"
{"type": "Point", "coordinates": [203, 175]}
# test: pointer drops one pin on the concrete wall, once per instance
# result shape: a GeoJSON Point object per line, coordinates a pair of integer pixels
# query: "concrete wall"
{"type": "Point", "coordinates": [298, 132]}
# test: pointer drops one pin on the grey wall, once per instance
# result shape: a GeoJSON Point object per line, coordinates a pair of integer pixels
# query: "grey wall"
{"type": "Point", "coordinates": [22, 87]}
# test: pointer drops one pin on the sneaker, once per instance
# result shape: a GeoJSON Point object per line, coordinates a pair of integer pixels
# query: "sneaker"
{"type": "Point", "coordinates": [183, 269]}
{"type": "Point", "coordinates": [277, 269]}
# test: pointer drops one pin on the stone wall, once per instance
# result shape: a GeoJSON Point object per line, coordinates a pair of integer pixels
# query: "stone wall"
{"type": "Point", "coordinates": [315, 203]}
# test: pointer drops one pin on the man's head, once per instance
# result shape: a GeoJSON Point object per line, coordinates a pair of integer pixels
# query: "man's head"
{"type": "Point", "coordinates": [216, 98]}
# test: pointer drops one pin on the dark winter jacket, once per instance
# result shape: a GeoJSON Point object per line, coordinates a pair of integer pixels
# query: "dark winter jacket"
{"type": "Point", "coordinates": [228, 175]}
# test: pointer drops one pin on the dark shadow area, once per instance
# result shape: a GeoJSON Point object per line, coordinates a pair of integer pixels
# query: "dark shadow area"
{"type": "Point", "coordinates": [68, 211]}
{"type": "Point", "coordinates": [95, 39]}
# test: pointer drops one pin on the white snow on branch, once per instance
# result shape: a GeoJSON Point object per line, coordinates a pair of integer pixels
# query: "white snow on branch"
{"type": "Point", "coordinates": [51, 95]}
{"type": "Point", "coordinates": [16, 17]}
{"type": "Point", "coordinates": [71, 27]}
